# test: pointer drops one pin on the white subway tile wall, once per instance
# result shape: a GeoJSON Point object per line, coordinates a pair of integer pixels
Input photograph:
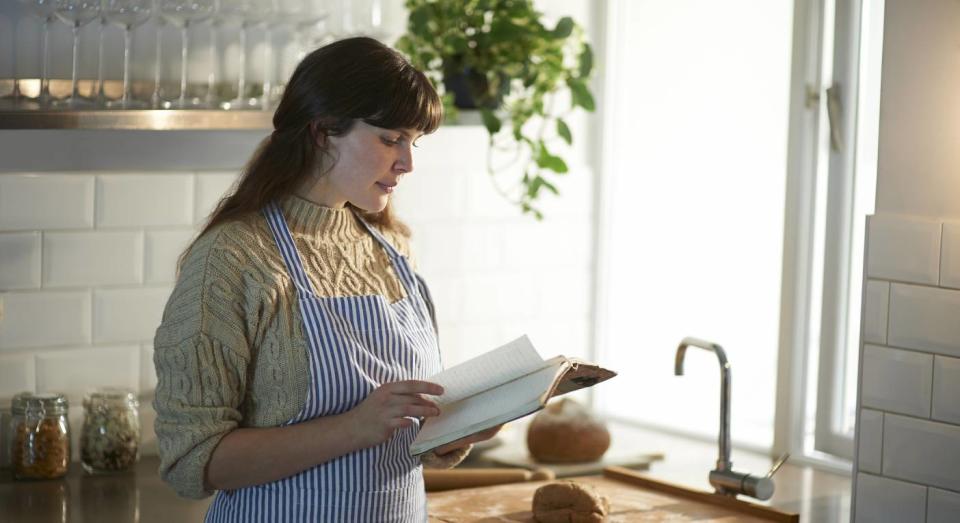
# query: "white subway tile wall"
{"type": "Point", "coordinates": [160, 247]}
{"type": "Point", "coordinates": [875, 312]}
{"type": "Point", "coordinates": [943, 506]}
{"type": "Point", "coordinates": [897, 380]}
{"type": "Point", "coordinates": [871, 441]}
{"type": "Point", "coordinates": [924, 318]}
{"type": "Point", "coordinates": [883, 500]}
{"type": "Point", "coordinates": [46, 201]}
{"type": "Point", "coordinates": [921, 451]}
{"type": "Point", "coordinates": [950, 256]}
{"type": "Point", "coordinates": [209, 189]}
{"type": "Point", "coordinates": [74, 259]}
{"type": "Point", "coordinates": [20, 260]}
{"type": "Point", "coordinates": [946, 389]}
{"type": "Point", "coordinates": [144, 200]}
{"type": "Point", "coordinates": [89, 259]}
{"type": "Point", "coordinates": [87, 262]}
{"type": "Point", "coordinates": [908, 428]}
{"type": "Point", "coordinates": [904, 249]}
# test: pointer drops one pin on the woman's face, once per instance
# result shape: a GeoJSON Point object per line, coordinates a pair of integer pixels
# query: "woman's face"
{"type": "Point", "coordinates": [369, 163]}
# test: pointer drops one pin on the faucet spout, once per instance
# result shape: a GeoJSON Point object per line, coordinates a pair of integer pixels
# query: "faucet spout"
{"type": "Point", "coordinates": [723, 458]}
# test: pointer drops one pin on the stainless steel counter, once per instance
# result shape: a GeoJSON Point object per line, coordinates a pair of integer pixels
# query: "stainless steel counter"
{"type": "Point", "coordinates": [136, 496]}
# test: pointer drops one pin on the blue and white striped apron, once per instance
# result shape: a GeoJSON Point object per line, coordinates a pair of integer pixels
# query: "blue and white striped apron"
{"type": "Point", "coordinates": [357, 343]}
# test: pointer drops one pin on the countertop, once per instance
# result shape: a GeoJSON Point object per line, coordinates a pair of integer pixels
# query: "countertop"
{"type": "Point", "coordinates": [140, 496]}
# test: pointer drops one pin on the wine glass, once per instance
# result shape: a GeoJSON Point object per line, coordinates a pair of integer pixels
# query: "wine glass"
{"type": "Point", "coordinates": [244, 13]}
{"type": "Point", "coordinates": [182, 13]}
{"type": "Point", "coordinates": [76, 14]}
{"type": "Point", "coordinates": [101, 97]}
{"type": "Point", "coordinates": [128, 14]}
{"type": "Point", "coordinates": [45, 10]}
{"type": "Point", "coordinates": [306, 16]}
{"type": "Point", "coordinates": [213, 74]}
{"type": "Point", "coordinates": [156, 101]}
{"type": "Point", "coordinates": [272, 16]}
{"type": "Point", "coordinates": [14, 99]}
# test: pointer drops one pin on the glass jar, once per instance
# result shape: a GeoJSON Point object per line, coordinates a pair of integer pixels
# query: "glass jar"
{"type": "Point", "coordinates": [39, 436]}
{"type": "Point", "coordinates": [110, 439]}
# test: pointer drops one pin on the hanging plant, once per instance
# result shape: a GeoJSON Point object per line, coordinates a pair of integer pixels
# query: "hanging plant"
{"type": "Point", "coordinates": [498, 57]}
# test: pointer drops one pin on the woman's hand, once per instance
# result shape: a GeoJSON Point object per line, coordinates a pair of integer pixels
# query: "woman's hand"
{"type": "Point", "coordinates": [390, 407]}
{"type": "Point", "coordinates": [469, 440]}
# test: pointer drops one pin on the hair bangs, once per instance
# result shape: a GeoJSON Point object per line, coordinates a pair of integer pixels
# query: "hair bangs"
{"type": "Point", "coordinates": [410, 103]}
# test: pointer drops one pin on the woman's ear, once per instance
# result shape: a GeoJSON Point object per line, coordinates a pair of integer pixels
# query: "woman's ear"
{"type": "Point", "coordinates": [318, 135]}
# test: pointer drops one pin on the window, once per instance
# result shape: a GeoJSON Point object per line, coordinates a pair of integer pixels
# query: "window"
{"type": "Point", "coordinates": [695, 156]}
{"type": "Point", "coordinates": [733, 207]}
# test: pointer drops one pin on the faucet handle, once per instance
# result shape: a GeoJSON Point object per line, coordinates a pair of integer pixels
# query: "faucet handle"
{"type": "Point", "coordinates": [777, 464]}
{"type": "Point", "coordinates": [762, 487]}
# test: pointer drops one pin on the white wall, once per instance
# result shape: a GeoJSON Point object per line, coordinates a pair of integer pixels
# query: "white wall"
{"type": "Point", "coordinates": [920, 110]}
{"type": "Point", "coordinates": [908, 429]}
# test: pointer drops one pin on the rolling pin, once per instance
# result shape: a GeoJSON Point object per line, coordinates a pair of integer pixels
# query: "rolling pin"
{"type": "Point", "coordinates": [443, 479]}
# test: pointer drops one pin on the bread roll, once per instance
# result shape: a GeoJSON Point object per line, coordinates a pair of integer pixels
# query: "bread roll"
{"type": "Point", "coordinates": [566, 432]}
{"type": "Point", "coordinates": [569, 502]}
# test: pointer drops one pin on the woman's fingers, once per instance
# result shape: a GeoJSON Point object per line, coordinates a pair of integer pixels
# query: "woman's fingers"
{"type": "Point", "coordinates": [417, 411]}
{"type": "Point", "coordinates": [414, 387]}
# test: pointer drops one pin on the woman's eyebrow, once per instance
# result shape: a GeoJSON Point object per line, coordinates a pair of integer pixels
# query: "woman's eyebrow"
{"type": "Point", "coordinates": [409, 136]}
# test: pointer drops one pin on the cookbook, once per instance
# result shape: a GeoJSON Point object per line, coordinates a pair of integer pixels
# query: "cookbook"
{"type": "Point", "coordinates": [502, 385]}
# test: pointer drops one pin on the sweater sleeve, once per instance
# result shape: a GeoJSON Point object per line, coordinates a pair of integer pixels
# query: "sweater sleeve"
{"type": "Point", "coordinates": [201, 357]}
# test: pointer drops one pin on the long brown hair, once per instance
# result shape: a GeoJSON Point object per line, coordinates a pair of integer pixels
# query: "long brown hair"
{"type": "Point", "coordinates": [333, 87]}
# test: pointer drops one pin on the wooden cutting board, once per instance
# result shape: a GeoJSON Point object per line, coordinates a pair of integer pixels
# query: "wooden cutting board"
{"type": "Point", "coordinates": [628, 503]}
{"type": "Point", "coordinates": [517, 456]}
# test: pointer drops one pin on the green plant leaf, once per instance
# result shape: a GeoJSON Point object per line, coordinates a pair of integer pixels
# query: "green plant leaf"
{"type": "Point", "coordinates": [557, 165]}
{"type": "Point", "coordinates": [418, 20]}
{"type": "Point", "coordinates": [586, 60]}
{"type": "Point", "coordinates": [550, 187]}
{"type": "Point", "coordinates": [549, 161]}
{"type": "Point", "coordinates": [580, 94]}
{"type": "Point", "coordinates": [533, 187]}
{"type": "Point", "coordinates": [490, 121]}
{"type": "Point", "coordinates": [564, 131]}
{"type": "Point", "coordinates": [564, 28]}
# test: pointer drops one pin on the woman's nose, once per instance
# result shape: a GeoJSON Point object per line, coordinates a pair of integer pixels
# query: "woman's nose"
{"type": "Point", "coordinates": [405, 161]}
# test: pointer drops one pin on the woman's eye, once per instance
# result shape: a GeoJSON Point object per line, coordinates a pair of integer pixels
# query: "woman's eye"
{"type": "Point", "coordinates": [391, 142]}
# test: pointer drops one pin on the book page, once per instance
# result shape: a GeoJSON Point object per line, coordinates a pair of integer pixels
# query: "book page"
{"type": "Point", "coordinates": [500, 365]}
{"type": "Point", "coordinates": [524, 392]}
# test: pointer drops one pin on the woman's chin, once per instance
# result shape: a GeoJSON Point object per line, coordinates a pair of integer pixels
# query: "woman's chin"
{"type": "Point", "coordinates": [373, 206]}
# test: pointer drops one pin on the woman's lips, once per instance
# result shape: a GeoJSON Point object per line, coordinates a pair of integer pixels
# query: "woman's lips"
{"type": "Point", "coordinates": [386, 188]}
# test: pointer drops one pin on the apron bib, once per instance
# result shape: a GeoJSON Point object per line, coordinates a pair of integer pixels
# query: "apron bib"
{"type": "Point", "coordinates": [356, 344]}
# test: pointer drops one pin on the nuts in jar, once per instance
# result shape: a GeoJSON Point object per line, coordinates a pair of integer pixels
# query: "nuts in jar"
{"type": "Point", "coordinates": [40, 436]}
{"type": "Point", "coordinates": [110, 438]}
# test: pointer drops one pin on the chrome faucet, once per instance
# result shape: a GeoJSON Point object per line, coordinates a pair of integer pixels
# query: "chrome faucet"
{"type": "Point", "coordinates": [724, 479]}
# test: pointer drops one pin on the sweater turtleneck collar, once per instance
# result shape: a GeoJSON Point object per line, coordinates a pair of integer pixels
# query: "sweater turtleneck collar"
{"type": "Point", "coordinates": [324, 223]}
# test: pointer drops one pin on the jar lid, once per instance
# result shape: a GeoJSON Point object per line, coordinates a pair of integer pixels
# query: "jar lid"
{"type": "Point", "coordinates": [111, 395]}
{"type": "Point", "coordinates": [46, 402]}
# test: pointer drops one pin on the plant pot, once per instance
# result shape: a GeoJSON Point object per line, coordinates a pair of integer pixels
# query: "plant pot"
{"type": "Point", "coordinates": [466, 84]}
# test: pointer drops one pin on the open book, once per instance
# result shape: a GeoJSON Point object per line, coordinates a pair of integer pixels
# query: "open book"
{"type": "Point", "coordinates": [502, 385]}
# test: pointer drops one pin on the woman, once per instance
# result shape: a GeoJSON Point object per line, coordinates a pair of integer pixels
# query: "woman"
{"type": "Point", "coordinates": [292, 352]}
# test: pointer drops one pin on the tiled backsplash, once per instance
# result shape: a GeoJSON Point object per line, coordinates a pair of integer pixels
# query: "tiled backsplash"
{"type": "Point", "coordinates": [87, 261]}
{"type": "Point", "coordinates": [908, 435]}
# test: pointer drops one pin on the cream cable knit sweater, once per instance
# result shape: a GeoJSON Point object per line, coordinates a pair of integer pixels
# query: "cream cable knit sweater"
{"type": "Point", "coordinates": [231, 351]}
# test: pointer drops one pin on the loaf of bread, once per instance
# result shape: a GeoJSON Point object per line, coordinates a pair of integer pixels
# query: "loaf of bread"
{"type": "Point", "coordinates": [566, 432]}
{"type": "Point", "coordinates": [569, 502]}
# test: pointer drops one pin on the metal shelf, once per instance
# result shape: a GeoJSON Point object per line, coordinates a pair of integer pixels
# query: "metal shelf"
{"type": "Point", "coordinates": [148, 120]}
{"type": "Point", "coordinates": [31, 117]}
